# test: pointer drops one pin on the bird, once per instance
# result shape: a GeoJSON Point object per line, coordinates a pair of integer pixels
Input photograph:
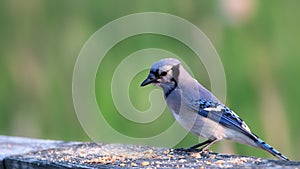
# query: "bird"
{"type": "Point", "coordinates": [199, 111]}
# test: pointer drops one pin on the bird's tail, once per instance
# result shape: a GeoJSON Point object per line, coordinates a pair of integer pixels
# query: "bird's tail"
{"type": "Point", "coordinates": [270, 149]}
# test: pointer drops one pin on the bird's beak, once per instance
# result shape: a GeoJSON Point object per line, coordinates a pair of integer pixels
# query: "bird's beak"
{"type": "Point", "coordinates": [150, 79]}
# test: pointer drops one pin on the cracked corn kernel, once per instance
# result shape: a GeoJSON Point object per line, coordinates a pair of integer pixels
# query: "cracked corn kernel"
{"type": "Point", "coordinates": [145, 163]}
{"type": "Point", "coordinates": [133, 165]}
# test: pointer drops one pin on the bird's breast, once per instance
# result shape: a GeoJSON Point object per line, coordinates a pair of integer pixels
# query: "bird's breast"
{"type": "Point", "coordinates": [175, 101]}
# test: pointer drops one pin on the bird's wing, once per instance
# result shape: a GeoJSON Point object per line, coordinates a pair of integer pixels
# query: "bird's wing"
{"type": "Point", "coordinates": [222, 115]}
{"type": "Point", "coordinates": [226, 117]}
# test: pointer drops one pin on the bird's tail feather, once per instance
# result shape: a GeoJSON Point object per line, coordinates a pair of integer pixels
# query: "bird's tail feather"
{"type": "Point", "coordinates": [270, 149]}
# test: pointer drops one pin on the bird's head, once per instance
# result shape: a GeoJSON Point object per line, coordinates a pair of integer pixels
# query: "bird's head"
{"type": "Point", "coordinates": [163, 73]}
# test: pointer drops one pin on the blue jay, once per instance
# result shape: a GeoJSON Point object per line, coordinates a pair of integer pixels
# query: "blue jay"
{"type": "Point", "coordinates": [198, 110]}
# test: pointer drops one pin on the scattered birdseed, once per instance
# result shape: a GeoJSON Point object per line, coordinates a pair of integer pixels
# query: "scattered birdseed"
{"type": "Point", "coordinates": [122, 165]}
{"type": "Point", "coordinates": [182, 161]}
{"type": "Point", "coordinates": [167, 151]}
{"type": "Point", "coordinates": [91, 155]}
{"type": "Point", "coordinates": [208, 162]}
{"type": "Point", "coordinates": [134, 165]}
{"type": "Point", "coordinates": [196, 155]}
{"type": "Point", "coordinates": [220, 162]}
{"type": "Point", "coordinates": [145, 163]}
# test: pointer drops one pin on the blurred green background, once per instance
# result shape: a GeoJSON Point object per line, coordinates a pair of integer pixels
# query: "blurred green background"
{"type": "Point", "coordinates": [258, 42]}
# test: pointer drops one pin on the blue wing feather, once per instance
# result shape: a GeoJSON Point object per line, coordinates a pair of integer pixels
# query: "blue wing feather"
{"type": "Point", "coordinates": [226, 117]}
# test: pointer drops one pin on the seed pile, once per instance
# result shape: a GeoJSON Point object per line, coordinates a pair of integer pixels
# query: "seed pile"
{"type": "Point", "coordinates": [92, 155]}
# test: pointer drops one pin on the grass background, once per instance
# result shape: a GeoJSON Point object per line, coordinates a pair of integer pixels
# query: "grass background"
{"type": "Point", "coordinates": [258, 42]}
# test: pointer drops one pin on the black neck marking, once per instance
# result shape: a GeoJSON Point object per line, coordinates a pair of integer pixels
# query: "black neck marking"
{"type": "Point", "coordinates": [172, 88]}
{"type": "Point", "coordinates": [175, 70]}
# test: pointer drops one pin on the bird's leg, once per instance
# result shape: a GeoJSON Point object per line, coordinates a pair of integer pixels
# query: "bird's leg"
{"type": "Point", "coordinates": [200, 144]}
{"type": "Point", "coordinates": [193, 148]}
{"type": "Point", "coordinates": [208, 145]}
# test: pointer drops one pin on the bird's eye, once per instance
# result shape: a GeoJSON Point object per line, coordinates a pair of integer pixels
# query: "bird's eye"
{"type": "Point", "coordinates": [163, 74]}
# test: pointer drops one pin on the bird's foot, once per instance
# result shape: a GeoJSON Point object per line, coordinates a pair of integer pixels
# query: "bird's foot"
{"type": "Point", "coordinates": [179, 149]}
